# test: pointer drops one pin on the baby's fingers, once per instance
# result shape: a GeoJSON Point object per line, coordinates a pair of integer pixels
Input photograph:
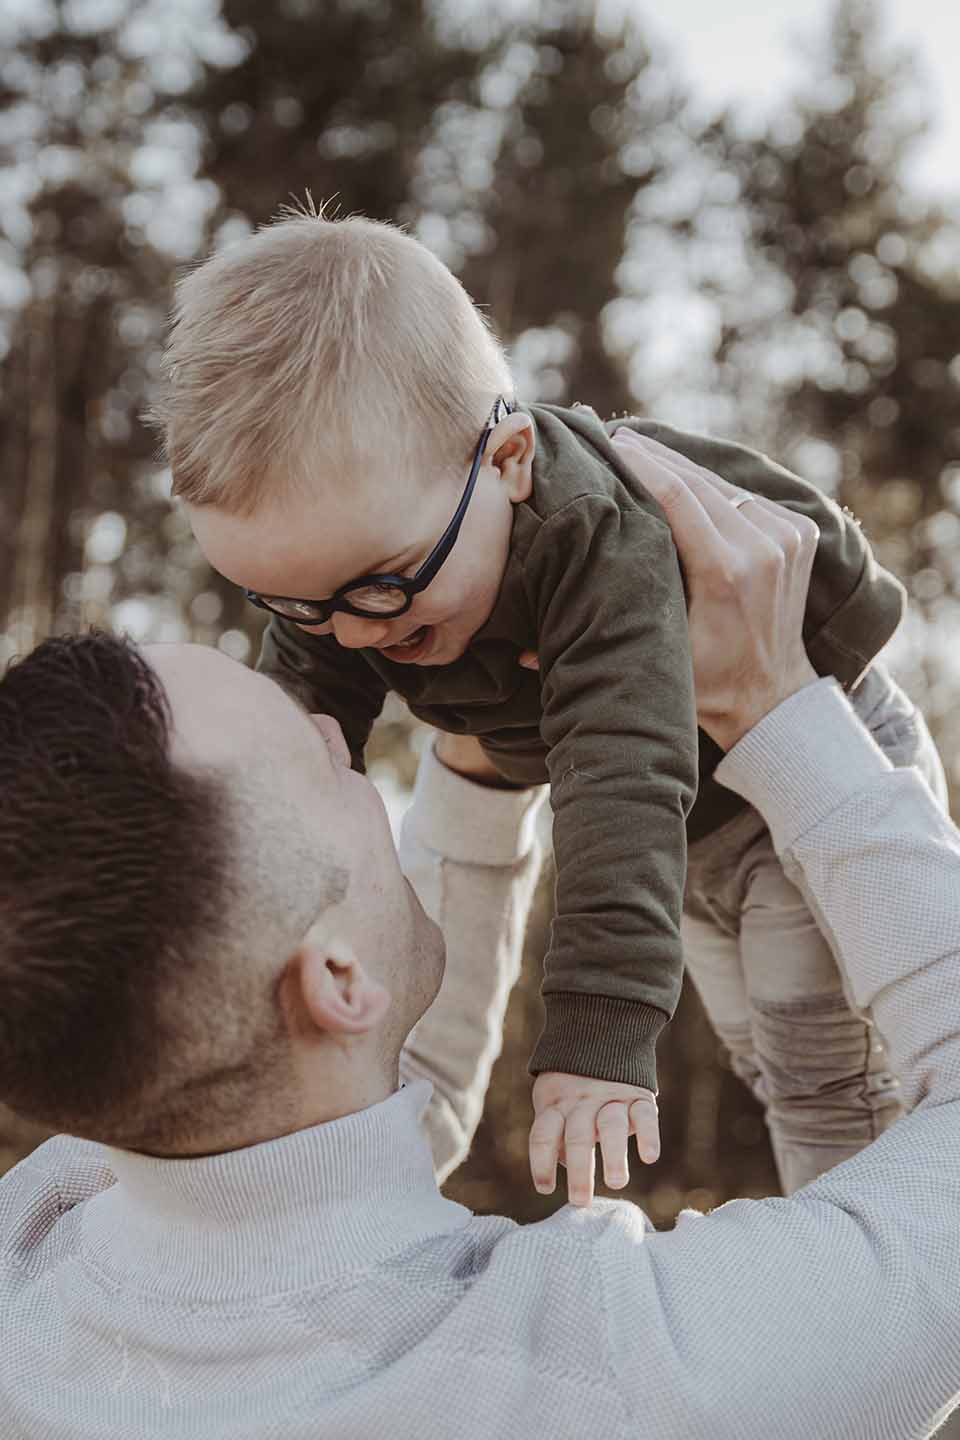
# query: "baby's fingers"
{"type": "Point", "coordinates": [546, 1134]}
{"type": "Point", "coordinates": [613, 1127]}
{"type": "Point", "coordinates": [645, 1124]}
{"type": "Point", "coordinates": [579, 1143]}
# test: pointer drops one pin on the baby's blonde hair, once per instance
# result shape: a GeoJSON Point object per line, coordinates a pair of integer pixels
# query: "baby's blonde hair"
{"type": "Point", "coordinates": [321, 345]}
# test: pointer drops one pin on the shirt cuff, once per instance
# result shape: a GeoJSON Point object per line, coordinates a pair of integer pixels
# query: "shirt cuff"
{"type": "Point", "coordinates": [604, 1037]}
{"type": "Point", "coordinates": [470, 823]}
{"type": "Point", "coordinates": [802, 761]}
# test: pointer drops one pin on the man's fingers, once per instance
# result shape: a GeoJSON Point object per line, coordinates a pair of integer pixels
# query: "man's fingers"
{"type": "Point", "coordinates": [645, 1124]}
{"type": "Point", "coordinates": [529, 660]}
{"type": "Point", "coordinates": [546, 1134]}
{"type": "Point", "coordinates": [613, 1127]}
{"type": "Point", "coordinates": [715, 495]}
{"type": "Point", "coordinates": [695, 532]}
{"type": "Point", "coordinates": [675, 460]}
{"type": "Point", "coordinates": [712, 491]}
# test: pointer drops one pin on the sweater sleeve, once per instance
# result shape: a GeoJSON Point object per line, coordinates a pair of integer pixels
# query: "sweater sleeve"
{"type": "Point", "coordinates": [878, 862]}
{"type": "Point", "coordinates": [472, 855]}
{"type": "Point", "coordinates": [325, 677]}
{"type": "Point", "coordinates": [832, 1313]}
{"type": "Point", "coordinates": [618, 719]}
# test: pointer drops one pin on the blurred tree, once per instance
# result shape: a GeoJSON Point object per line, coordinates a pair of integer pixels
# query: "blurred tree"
{"type": "Point", "coordinates": [94, 144]}
{"type": "Point", "coordinates": [861, 360]}
{"type": "Point", "coordinates": [65, 242]}
{"type": "Point", "coordinates": [585, 116]}
{"type": "Point", "coordinates": [335, 97]}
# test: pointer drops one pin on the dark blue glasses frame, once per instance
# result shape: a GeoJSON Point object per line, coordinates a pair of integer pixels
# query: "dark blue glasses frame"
{"type": "Point", "coordinates": [318, 612]}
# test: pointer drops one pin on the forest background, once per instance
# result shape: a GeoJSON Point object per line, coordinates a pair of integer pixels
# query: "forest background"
{"type": "Point", "coordinates": [786, 286]}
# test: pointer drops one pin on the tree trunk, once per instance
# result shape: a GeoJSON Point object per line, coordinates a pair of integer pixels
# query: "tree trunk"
{"type": "Point", "coordinates": [32, 601]}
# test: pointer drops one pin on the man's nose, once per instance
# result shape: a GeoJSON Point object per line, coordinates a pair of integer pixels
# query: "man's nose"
{"type": "Point", "coordinates": [354, 632]}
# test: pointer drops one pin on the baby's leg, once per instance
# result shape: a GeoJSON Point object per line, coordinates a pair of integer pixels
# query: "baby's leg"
{"type": "Point", "coordinates": [773, 993]}
{"type": "Point", "coordinates": [712, 960]}
{"type": "Point", "coordinates": [898, 727]}
{"type": "Point", "coordinates": [827, 1086]}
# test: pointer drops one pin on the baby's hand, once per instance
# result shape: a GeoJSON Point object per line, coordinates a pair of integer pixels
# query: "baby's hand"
{"type": "Point", "coordinates": [572, 1115]}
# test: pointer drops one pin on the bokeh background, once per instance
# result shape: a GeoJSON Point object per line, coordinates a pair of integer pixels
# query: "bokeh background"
{"type": "Point", "coordinates": [741, 232]}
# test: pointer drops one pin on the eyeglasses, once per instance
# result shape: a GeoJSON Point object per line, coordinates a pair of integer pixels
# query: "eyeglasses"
{"type": "Point", "coordinates": [379, 597]}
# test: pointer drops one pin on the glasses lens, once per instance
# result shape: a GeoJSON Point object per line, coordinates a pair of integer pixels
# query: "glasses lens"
{"type": "Point", "coordinates": [305, 612]}
{"type": "Point", "coordinates": [377, 599]}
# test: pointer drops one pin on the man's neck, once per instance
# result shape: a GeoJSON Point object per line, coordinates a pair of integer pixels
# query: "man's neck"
{"type": "Point", "coordinates": [297, 1108]}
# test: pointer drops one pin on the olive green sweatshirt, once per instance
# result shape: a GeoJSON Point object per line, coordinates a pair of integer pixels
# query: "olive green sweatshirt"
{"type": "Point", "coordinates": [593, 584]}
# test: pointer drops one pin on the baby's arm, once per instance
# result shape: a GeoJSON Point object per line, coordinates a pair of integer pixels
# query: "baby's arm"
{"type": "Point", "coordinates": [618, 717]}
{"type": "Point", "coordinates": [619, 722]}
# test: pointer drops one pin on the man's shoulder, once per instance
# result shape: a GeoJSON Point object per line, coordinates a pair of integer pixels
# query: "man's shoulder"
{"type": "Point", "coordinates": [36, 1194]}
{"type": "Point", "coordinates": [603, 1221]}
{"type": "Point", "coordinates": [567, 1240]}
{"type": "Point", "coordinates": [541, 1290]}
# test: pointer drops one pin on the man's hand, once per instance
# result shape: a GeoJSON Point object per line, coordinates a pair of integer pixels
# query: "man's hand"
{"type": "Point", "coordinates": [573, 1115]}
{"type": "Point", "coordinates": [748, 571]}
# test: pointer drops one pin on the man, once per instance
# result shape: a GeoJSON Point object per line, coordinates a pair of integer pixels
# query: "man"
{"type": "Point", "coordinates": [268, 1254]}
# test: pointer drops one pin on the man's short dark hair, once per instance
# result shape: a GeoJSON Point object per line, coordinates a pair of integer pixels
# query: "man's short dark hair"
{"type": "Point", "coordinates": [112, 872]}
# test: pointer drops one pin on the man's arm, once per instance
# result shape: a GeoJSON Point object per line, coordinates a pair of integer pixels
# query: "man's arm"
{"type": "Point", "coordinates": [834, 1313]}
{"type": "Point", "coordinates": [471, 853]}
{"type": "Point", "coordinates": [879, 865]}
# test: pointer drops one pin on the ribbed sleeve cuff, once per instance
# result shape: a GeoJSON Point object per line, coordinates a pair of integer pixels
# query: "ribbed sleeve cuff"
{"type": "Point", "coordinates": [470, 823]}
{"type": "Point", "coordinates": [600, 1036]}
{"type": "Point", "coordinates": [802, 761]}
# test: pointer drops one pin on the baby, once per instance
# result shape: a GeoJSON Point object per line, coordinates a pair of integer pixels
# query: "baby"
{"type": "Point", "coordinates": [342, 426]}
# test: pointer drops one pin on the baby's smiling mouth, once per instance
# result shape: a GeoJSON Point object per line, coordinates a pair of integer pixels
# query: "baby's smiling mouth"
{"type": "Point", "coordinates": [406, 649]}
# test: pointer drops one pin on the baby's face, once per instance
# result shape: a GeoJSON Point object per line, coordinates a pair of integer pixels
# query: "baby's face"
{"type": "Point", "coordinates": [309, 549]}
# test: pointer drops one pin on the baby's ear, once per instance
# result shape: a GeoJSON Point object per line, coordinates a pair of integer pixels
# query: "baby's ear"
{"type": "Point", "coordinates": [516, 444]}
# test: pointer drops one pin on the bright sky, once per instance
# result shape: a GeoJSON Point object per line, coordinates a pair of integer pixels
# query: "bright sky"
{"type": "Point", "coordinates": [742, 51]}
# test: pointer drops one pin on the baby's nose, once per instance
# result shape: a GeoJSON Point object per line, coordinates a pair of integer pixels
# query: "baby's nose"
{"type": "Point", "coordinates": [354, 632]}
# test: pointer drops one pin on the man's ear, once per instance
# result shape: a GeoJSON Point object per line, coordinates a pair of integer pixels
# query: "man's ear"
{"type": "Point", "coordinates": [512, 448]}
{"type": "Point", "coordinates": [339, 996]}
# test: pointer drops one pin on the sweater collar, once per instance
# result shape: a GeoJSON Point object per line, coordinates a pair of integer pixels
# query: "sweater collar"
{"type": "Point", "coordinates": [274, 1217]}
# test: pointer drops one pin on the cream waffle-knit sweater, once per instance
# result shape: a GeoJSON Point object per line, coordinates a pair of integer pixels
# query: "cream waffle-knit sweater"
{"type": "Point", "coordinates": [320, 1285]}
